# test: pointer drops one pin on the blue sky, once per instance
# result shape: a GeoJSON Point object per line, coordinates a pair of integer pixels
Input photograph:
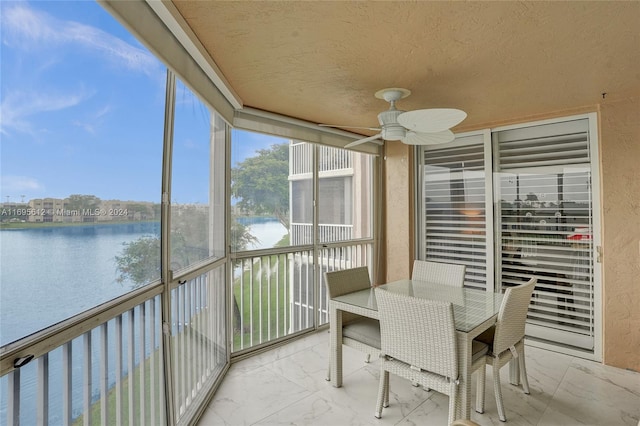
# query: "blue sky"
{"type": "Point", "coordinates": [82, 110]}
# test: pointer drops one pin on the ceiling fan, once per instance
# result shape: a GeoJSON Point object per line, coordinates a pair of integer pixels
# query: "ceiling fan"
{"type": "Point", "coordinates": [418, 127]}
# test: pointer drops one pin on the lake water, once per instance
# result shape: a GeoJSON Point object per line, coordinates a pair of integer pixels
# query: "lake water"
{"type": "Point", "coordinates": [50, 274]}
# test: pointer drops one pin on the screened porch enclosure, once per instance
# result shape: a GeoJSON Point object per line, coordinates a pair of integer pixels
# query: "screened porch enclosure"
{"type": "Point", "coordinates": [278, 285]}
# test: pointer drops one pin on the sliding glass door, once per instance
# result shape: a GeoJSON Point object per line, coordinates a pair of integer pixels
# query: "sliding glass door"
{"type": "Point", "coordinates": [544, 213]}
{"type": "Point", "coordinates": [527, 197]}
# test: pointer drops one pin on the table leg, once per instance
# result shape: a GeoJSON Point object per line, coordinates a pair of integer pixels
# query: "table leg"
{"type": "Point", "coordinates": [463, 400]}
{"type": "Point", "coordinates": [335, 328]}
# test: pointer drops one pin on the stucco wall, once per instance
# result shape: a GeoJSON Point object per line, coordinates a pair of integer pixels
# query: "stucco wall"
{"type": "Point", "coordinates": [620, 177]}
{"type": "Point", "coordinates": [620, 192]}
{"type": "Point", "coordinates": [399, 226]}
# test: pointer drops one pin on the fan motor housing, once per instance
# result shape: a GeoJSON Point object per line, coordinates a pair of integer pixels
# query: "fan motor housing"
{"type": "Point", "coordinates": [391, 131]}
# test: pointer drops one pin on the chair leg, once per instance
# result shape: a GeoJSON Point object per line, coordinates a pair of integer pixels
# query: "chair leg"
{"type": "Point", "coordinates": [523, 371]}
{"type": "Point", "coordinates": [452, 404]}
{"type": "Point", "coordinates": [386, 392]}
{"type": "Point", "coordinates": [498, 391]}
{"type": "Point", "coordinates": [480, 386]}
{"type": "Point", "coordinates": [367, 359]}
{"type": "Point", "coordinates": [382, 392]}
{"type": "Point", "coordinates": [329, 366]}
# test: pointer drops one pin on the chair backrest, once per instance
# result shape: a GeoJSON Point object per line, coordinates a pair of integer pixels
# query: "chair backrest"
{"type": "Point", "coordinates": [419, 332]}
{"type": "Point", "coordinates": [512, 316]}
{"type": "Point", "coordinates": [440, 273]}
{"type": "Point", "coordinates": [347, 280]}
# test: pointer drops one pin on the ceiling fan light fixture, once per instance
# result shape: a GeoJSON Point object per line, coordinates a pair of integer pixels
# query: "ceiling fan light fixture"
{"type": "Point", "coordinates": [418, 127]}
{"type": "Point", "coordinates": [393, 132]}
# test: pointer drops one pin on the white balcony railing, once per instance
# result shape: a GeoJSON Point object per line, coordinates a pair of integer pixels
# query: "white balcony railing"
{"type": "Point", "coordinates": [329, 158]}
{"type": "Point", "coordinates": [198, 339]}
{"type": "Point", "coordinates": [113, 373]}
{"type": "Point", "coordinates": [110, 374]}
{"type": "Point", "coordinates": [274, 293]}
{"type": "Point", "coordinates": [302, 233]}
{"type": "Point", "coordinates": [107, 366]}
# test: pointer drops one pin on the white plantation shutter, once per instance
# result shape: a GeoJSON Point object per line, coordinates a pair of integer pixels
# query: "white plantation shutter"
{"type": "Point", "coordinates": [546, 145]}
{"type": "Point", "coordinates": [454, 213]}
{"type": "Point", "coordinates": [545, 226]}
{"type": "Point", "coordinates": [537, 181]}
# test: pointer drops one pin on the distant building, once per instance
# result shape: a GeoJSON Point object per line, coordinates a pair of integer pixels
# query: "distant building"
{"type": "Point", "coordinates": [56, 210]}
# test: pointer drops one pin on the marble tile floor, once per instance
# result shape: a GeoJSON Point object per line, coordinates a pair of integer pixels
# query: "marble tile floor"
{"type": "Point", "coordinates": [287, 386]}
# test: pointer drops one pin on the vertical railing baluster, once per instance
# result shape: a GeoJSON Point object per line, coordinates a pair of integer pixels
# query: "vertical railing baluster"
{"type": "Point", "coordinates": [200, 312]}
{"type": "Point", "coordinates": [87, 382]}
{"type": "Point", "coordinates": [277, 278]}
{"type": "Point", "coordinates": [104, 374]}
{"type": "Point", "coordinates": [286, 279]}
{"type": "Point", "coordinates": [162, 399]}
{"type": "Point", "coordinates": [188, 337]}
{"type": "Point", "coordinates": [142, 361]}
{"type": "Point", "coordinates": [208, 322]}
{"type": "Point", "coordinates": [67, 383]}
{"type": "Point", "coordinates": [118, 353]}
{"type": "Point", "coordinates": [13, 398]}
{"type": "Point", "coordinates": [298, 266]}
{"type": "Point", "coordinates": [152, 361]}
{"type": "Point", "coordinates": [251, 309]}
{"type": "Point", "coordinates": [197, 333]}
{"type": "Point", "coordinates": [211, 322]}
{"type": "Point", "coordinates": [260, 316]}
{"type": "Point", "coordinates": [175, 338]}
{"type": "Point", "coordinates": [241, 308]}
{"type": "Point", "coordinates": [310, 300]}
{"type": "Point", "coordinates": [131, 366]}
{"type": "Point", "coordinates": [180, 347]}
{"type": "Point", "coordinates": [269, 307]}
{"type": "Point", "coordinates": [43, 390]}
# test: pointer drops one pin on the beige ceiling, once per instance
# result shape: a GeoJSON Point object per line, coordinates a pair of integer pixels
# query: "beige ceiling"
{"type": "Point", "coordinates": [323, 61]}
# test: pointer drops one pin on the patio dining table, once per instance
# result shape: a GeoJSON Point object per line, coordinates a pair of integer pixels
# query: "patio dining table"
{"type": "Point", "coordinates": [474, 312]}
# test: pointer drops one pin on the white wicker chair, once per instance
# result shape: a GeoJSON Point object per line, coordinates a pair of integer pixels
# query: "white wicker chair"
{"type": "Point", "coordinates": [440, 273]}
{"type": "Point", "coordinates": [463, 422]}
{"type": "Point", "coordinates": [505, 340]}
{"type": "Point", "coordinates": [360, 333]}
{"type": "Point", "coordinates": [419, 344]}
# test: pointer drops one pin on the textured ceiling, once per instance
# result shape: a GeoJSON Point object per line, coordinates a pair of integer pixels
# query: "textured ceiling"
{"type": "Point", "coordinates": [323, 61]}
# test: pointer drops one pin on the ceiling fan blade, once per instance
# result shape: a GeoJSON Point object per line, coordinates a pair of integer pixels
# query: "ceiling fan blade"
{"type": "Point", "coordinates": [349, 127]}
{"type": "Point", "coordinates": [431, 120]}
{"type": "Point", "coordinates": [417, 138]}
{"type": "Point", "coordinates": [361, 141]}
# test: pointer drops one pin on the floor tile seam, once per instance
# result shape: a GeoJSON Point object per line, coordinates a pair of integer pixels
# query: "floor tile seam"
{"type": "Point", "coordinates": [270, 361]}
{"type": "Point", "coordinates": [310, 394]}
{"type": "Point", "coordinates": [558, 380]}
{"type": "Point", "coordinates": [557, 388]}
{"type": "Point", "coordinates": [304, 395]}
{"type": "Point", "coordinates": [275, 370]}
{"type": "Point", "coordinates": [430, 393]}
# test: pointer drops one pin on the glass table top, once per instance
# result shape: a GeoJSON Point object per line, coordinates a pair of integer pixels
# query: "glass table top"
{"type": "Point", "coordinates": [471, 307]}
